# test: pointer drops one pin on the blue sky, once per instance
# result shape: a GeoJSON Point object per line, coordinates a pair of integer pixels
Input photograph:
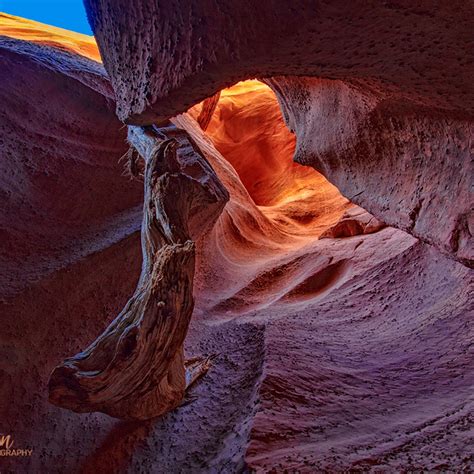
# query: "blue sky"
{"type": "Point", "coordinates": [69, 14]}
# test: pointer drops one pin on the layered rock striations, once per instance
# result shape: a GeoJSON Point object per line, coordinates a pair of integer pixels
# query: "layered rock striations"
{"type": "Point", "coordinates": [21, 28]}
{"type": "Point", "coordinates": [58, 152]}
{"type": "Point", "coordinates": [68, 212]}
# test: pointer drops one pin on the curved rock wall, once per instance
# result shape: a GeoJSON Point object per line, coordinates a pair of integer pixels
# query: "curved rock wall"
{"type": "Point", "coordinates": [164, 56]}
{"type": "Point", "coordinates": [56, 151]}
{"type": "Point", "coordinates": [21, 28]}
{"type": "Point", "coordinates": [405, 162]}
{"type": "Point", "coordinates": [389, 123]}
{"type": "Point", "coordinates": [69, 229]}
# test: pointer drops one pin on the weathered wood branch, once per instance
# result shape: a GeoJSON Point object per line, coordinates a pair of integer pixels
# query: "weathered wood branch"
{"type": "Point", "coordinates": [136, 368]}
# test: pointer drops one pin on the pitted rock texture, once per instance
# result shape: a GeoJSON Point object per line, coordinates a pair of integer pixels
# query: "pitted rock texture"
{"type": "Point", "coordinates": [386, 110]}
{"type": "Point", "coordinates": [164, 56]}
{"type": "Point", "coordinates": [408, 164]}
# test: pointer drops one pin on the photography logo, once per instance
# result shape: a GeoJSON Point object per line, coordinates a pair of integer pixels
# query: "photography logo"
{"type": "Point", "coordinates": [7, 448]}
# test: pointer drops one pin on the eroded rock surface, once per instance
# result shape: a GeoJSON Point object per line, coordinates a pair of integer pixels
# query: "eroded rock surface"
{"type": "Point", "coordinates": [355, 221]}
{"type": "Point", "coordinates": [389, 122]}
{"type": "Point", "coordinates": [21, 28]}
{"type": "Point", "coordinates": [163, 57]}
{"type": "Point", "coordinates": [403, 159]}
{"type": "Point", "coordinates": [56, 153]}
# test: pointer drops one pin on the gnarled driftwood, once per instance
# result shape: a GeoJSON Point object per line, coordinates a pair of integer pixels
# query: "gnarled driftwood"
{"type": "Point", "coordinates": [136, 368]}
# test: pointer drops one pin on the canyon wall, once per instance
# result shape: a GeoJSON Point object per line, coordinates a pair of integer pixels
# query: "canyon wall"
{"type": "Point", "coordinates": [384, 108]}
{"type": "Point", "coordinates": [69, 226]}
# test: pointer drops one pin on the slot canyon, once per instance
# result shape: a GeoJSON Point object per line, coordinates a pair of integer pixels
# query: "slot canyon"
{"type": "Point", "coordinates": [237, 237]}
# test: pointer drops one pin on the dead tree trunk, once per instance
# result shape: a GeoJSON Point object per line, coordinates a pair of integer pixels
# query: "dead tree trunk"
{"type": "Point", "coordinates": [136, 368]}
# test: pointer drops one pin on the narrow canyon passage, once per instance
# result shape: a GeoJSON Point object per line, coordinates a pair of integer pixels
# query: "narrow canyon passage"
{"type": "Point", "coordinates": [277, 207]}
{"type": "Point", "coordinates": [327, 326]}
{"type": "Point", "coordinates": [351, 324]}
